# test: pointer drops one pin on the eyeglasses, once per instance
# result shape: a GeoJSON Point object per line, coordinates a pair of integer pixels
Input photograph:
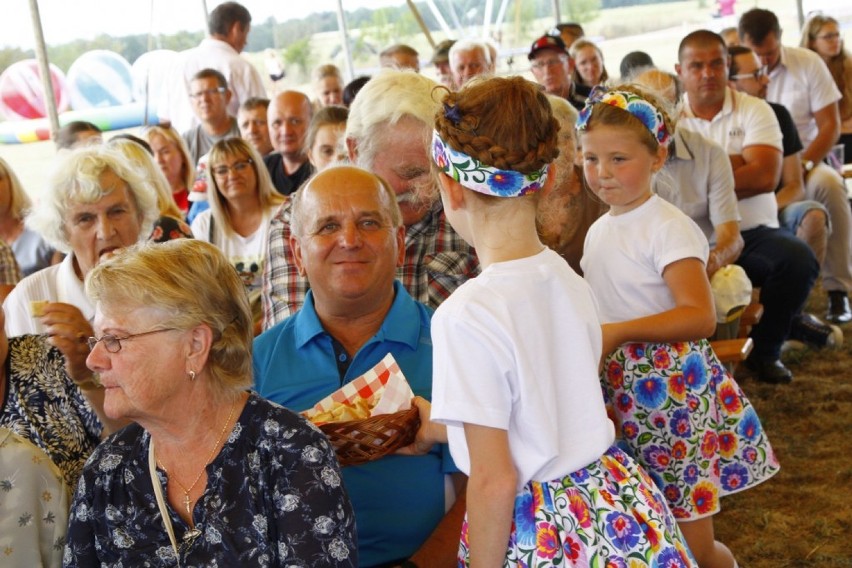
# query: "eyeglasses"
{"type": "Point", "coordinates": [549, 62]}
{"type": "Point", "coordinates": [208, 92]}
{"type": "Point", "coordinates": [238, 167]}
{"type": "Point", "coordinates": [829, 36]}
{"type": "Point", "coordinates": [113, 343]}
{"type": "Point", "coordinates": [756, 75]}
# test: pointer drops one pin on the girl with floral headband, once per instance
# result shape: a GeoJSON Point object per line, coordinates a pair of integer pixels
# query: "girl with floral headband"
{"type": "Point", "coordinates": [516, 351]}
{"type": "Point", "coordinates": [682, 415]}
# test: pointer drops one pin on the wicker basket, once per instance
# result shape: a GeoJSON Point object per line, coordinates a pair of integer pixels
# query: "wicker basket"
{"type": "Point", "coordinates": [360, 441]}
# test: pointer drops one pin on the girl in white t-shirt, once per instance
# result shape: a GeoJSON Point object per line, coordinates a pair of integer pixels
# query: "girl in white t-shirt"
{"type": "Point", "coordinates": [682, 415]}
{"type": "Point", "coordinates": [516, 354]}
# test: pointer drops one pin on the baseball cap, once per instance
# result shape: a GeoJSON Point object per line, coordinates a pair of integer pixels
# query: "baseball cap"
{"type": "Point", "coordinates": [442, 51]}
{"type": "Point", "coordinates": [547, 42]}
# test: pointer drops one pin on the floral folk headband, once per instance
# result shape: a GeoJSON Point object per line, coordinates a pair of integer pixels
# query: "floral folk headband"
{"type": "Point", "coordinates": [482, 178]}
{"type": "Point", "coordinates": [648, 114]}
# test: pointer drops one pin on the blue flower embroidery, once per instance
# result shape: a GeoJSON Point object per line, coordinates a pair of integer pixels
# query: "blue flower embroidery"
{"type": "Point", "coordinates": [505, 182]}
{"type": "Point", "coordinates": [651, 392]}
{"type": "Point", "coordinates": [694, 371]}
{"type": "Point", "coordinates": [749, 428]}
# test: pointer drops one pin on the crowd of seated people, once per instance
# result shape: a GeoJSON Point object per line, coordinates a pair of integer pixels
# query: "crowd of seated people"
{"type": "Point", "coordinates": [175, 300]}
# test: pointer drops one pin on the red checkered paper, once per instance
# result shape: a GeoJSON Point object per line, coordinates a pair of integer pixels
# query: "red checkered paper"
{"type": "Point", "coordinates": [384, 383]}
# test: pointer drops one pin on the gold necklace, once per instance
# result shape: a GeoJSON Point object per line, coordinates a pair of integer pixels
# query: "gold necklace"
{"type": "Point", "coordinates": [186, 499]}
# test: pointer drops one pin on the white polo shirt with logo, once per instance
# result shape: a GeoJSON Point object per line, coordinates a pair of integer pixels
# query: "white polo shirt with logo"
{"type": "Point", "coordinates": [743, 121]}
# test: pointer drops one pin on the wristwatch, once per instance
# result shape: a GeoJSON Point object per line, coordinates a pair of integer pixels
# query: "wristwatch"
{"type": "Point", "coordinates": [808, 165]}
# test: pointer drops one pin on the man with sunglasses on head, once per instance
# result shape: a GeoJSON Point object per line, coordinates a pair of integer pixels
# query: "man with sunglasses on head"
{"type": "Point", "coordinates": [209, 93]}
{"type": "Point", "coordinates": [800, 81]}
{"type": "Point", "coordinates": [807, 219]}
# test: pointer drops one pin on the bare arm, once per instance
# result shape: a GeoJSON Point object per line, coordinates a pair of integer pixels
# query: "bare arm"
{"type": "Point", "coordinates": [828, 125]}
{"type": "Point", "coordinates": [756, 171]}
{"type": "Point", "coordinates": [491, 495]}
{"type": "Point", "coordinates": [692, 317]}
{"type": "Point", "coordinates": [793, 186]}
{"type": "Point", "coordinates": [729, 245]}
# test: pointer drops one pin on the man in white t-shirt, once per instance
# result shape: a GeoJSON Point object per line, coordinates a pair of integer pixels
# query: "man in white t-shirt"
{"type": "Point", "coordinates": [779, 263]}
{"type": "Point", "coordinates": [229, 26]}
{"type": "Point", "coordinates": [800, 80]}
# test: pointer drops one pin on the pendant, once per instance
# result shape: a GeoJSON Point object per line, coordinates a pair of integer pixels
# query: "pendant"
{"type": "Point", "coordinates": [186, 503]}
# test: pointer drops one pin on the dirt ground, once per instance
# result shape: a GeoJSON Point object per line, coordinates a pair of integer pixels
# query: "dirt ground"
{"type": "Point", "coordinates": [802, 517]}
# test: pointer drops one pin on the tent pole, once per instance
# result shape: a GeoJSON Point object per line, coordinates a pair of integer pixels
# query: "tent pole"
{"type": "Point", "coordinates": [44, 70]}
{"type": "Point", "coordinates": [344, 41]}
{"type": "Point", "coordinates": [420, 22]}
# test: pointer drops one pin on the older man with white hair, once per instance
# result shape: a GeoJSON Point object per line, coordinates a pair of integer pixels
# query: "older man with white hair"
{"type": "Point", "coordinates": [469, 59]}
{"type": "Point", "coordinates": [388, 133]}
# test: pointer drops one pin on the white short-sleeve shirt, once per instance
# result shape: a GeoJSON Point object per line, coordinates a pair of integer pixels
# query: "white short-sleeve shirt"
{"type": "Point", "coordinates": [247, 254]}
{"type": "Point", "coordinates": [624, 257]}
{"type": "Point", "coordinates": [802, 82]}
{"type": "Point", "coordinates": [57, 283]}
{"type": "Point", "coordinates": [743, 121]}
{"type": "Point", "coordinates": [517, 348]}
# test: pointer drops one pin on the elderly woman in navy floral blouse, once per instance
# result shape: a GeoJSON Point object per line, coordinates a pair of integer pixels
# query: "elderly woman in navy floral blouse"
{"type": "Point", "coordinates": [208, 474]}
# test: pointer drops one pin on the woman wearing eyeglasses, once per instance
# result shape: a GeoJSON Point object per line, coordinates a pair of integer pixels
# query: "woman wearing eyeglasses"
{"type": "Point", "coordinates": [821, 34]}
{"type": "Point", "coordinates": [208, 473]}
{"type": "Point", "coordinates": [242, 200]}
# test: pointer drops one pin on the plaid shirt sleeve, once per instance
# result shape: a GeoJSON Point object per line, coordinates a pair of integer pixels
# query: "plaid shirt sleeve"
{"type": "Point", "coordinates": [283, 291]}
{"type": "Point", "coordinates": [437, 259]}
{"type": "Point", "coordinates": [10, 273]}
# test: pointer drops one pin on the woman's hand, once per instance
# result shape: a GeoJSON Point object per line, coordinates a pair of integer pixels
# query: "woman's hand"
{"type": "Point", "coordinates": [429, 432]}
{"type": "Point", "coordinates": [68, 330]}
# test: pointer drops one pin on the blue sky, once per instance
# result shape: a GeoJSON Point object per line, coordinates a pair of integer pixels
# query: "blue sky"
{"type": "Point", "coordinates": [66, 20]}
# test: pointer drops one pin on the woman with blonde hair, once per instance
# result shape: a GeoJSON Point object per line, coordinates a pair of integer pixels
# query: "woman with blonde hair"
{"type": "Point", "coordinates": [172, 156]}
{"type": "Point", "coordinates": [821, 34]}
{"type": "Point", "coordinates": [242, 200]}
{"type": "Point", "coordinates": [208, 473]}
{"type": "Point", "coordinates": [31, 250]}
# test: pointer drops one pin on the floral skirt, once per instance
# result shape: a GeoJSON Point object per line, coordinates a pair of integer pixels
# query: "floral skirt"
{"type": "Point", "coordinates": [688, 423]}
{"type": "Point", "coordinates": [608, 515]}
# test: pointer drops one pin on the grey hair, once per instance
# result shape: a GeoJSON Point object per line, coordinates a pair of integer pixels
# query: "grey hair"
{"type": "Point", "coordinates": [386, 99]}
{"type": "Point", "coordinates": [465, 45]}
{"type": "Point", "coordinates": [75, 179]}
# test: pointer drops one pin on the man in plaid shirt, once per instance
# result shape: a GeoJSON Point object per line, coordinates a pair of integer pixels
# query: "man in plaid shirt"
{"type": "Point", "coordinates": [388, 133]}
{"type": "Point", "coordinates": [10, 274]}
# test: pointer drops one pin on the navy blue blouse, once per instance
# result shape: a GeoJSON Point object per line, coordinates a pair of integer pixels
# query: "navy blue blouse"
{"type": "Point", "coordinates": [274, 497]}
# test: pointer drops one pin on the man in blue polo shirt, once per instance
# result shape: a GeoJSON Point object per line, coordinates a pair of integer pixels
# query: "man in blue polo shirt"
{"type": "Point", "coordinates": [348, 239]}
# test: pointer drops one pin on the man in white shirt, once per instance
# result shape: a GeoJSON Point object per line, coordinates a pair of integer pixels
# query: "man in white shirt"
{"type": "Point", "coordinates": [800, 81]}
{"type": "Point", "coordinates": [779, 263]}
{"type": "Point", "coordinates": [229, 26]}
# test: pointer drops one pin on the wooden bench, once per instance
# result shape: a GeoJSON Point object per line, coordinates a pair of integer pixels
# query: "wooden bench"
{"type": "Point", "coordinates": [732, 350]}
{"type": "Point", "coordinates": [750, 317]}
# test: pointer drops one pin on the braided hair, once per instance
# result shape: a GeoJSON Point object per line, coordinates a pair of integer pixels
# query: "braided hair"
{"type": "Point", "coordinates": [506, 123]}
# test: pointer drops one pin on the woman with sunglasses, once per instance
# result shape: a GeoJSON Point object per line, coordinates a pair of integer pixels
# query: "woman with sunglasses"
{"type": "Point", "coordinates": [208, 473]}
{"type": "Point", "coordinates": [821, 34]}
{"type": "Point", "coordinates": [242, 200]}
